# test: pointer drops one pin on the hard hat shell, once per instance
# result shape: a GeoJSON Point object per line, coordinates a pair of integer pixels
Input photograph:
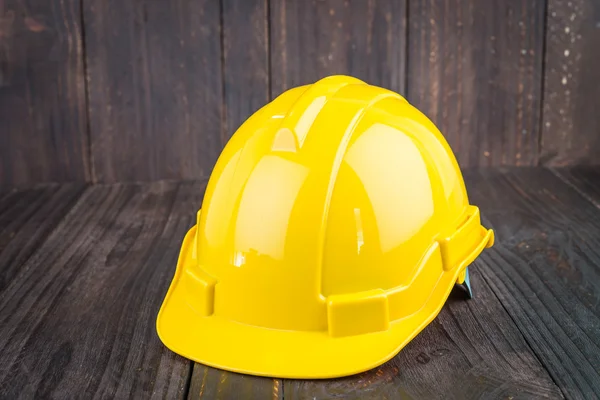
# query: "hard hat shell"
{"type": "Point", "coordinates": [333, 228]}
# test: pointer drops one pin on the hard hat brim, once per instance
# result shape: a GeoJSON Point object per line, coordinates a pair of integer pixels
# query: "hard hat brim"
{"type": "Point", "coordinates": [229, 345]}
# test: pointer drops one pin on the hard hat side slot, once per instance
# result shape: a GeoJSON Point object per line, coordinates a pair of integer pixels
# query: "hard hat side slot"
{"type": "Point", "coordinates": [458, 244]}
{"type": "Point", "coordinates": [357, 313]}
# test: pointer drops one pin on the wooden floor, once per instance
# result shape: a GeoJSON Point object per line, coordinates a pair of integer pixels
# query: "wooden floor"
{"type": "Point", "coordinates": [83, 271]}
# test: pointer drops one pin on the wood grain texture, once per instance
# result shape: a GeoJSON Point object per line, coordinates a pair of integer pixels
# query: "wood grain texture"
{"type": "Point", "coordinates": [245, 60]}
{"type": "Point", "coordinates": [472, 350]}
{"type": "Point", "coordinates": [212, 383]}
{"type": "Point", "coordinates": [79, 319]}
{"type": "Point", "coordinates": [545, 269]}
{"type": "Point", "coordinates": [584, 179]}
{"type": "Point", "coordinates": [475, 68]}
{"type": "Point", "coordinates": [42, 95]}
{"type": "Point", "coordinates": [571, 122]}
{"type": "Point", "coordinates": [155, 94]}
{"type": "Point", "coordinates": [77, 312]}
{"type": "Point", "coordinates": [27, 217]}
{"type": "Point", "coordinates": [313, 39]}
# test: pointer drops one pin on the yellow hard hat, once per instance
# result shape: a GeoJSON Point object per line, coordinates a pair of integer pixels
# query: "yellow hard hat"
{"type": "Point", "coordinates": [333, 228]}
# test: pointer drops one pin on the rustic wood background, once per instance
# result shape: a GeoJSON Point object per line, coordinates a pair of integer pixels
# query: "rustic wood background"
{"type": "Point", "coordinates": [142, 90]}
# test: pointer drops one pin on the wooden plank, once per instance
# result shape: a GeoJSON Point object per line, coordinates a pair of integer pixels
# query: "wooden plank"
{"type": "Point", "coordinates": [545, 269]}
{"type": "Point", "coordinates": [42, 95]}
{"type": "Point", "coordinates": [154, 74]}
{"type": "Point", "coordinates": [571, 121]}
{"type": "Point", "coordinates": [27, 217]}
{"type": "Point", "coordinates": [246, 60]}
{"type": "Point", "coordinates": [79, 320]}
{"type": "Point", "coordinates": [212, 383]}
{"type": "Point", "coordinates": [475, 68]}
{"type": "Point", "coordinates": [584, 179]}
{"type": "Point", "coordinates": [313, 39]}
{"type": "Point", "coordinates": [471, 350]}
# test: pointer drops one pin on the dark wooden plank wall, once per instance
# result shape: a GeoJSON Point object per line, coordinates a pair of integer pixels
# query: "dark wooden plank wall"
{"type": "Point", "coordinates": [108, 91]}
{"type": "Point", "coordinates": [571, 125]}
{"type": "Point", "coordinates": [313, 39]}
{"type": "Point", "coordinates": [474, 67]}
{"type": "Point", "coordinates": [246, 65]}
{"type": "Point", "coordinates": [42, 93]}
{"type": "Point", "coordinates": [154, 83]}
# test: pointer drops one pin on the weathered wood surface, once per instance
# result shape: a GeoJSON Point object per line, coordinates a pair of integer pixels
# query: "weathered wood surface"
{"type": "Point", "coordinates": [475, 68]}
{"type": "Point", "coordinates": [472, 350]}
{"type": "Point", "coordinates": [246, 66]}
{"type": "Point", "coordinates": [84, 271]}
{"type": "Point", "coordinates": [78, 319]}
{"type": "Point", "coordinates": [545, 269]}
{"type": "Point", "coordinates": [584, 179]}
{"type": "Point", "coordinates": [571, 121]}
{"type": "Point", "coordinates": [313, 39]}
{"type": "Point", "coordinates": [27, 217]}
{"type": "Point", "coordinates": [42, 94]}
{"type": "Point", "coordinates": [212, 383]}
{"type": "Point", "coordinates": [155, 88]}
